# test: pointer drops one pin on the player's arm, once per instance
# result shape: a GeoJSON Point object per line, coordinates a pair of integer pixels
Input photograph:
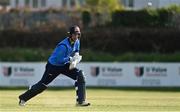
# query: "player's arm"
{"type": "Point", "coordinates": [62, 55]}
{"type": "Point", "coordinates": [76, 58]}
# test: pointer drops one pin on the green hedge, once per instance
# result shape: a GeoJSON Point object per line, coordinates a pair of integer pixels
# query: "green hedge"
{"type": "Point", "coordinates": [24, 54]}
{"type": "Point", "coordinates": [122, 40]}
{"type": "Point", "coordinates": [35, 55]}
{"type": "Point", "coordinates": [142, 18]}
{"type": "Point", "coordinates": [109, 40]}
{"type": "Point", "coordinates": [31, 39]}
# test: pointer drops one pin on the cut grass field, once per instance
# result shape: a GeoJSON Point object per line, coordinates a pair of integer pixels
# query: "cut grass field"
{"type": "Point", "coordinates": [101, 99]}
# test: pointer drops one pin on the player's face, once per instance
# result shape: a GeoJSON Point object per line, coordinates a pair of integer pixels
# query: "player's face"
{"type": "Point", "coordinates": [77, 34]}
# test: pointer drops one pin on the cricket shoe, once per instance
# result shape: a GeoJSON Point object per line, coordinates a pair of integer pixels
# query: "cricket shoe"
{"type": "Point", "coordinates": [22, 102]}
{"type": "Point", "coordinates": [83, 104]}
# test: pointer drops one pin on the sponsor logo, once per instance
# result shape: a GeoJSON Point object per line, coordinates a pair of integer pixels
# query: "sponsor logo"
{"type": "Point", "coordinates": [156, 71]}
{"type": "Point", "coordinates": [106, 71]}
{"type": "Point", "coordinates": [112, 71]}
{"type": "Point", "coordinates": [23, 71]}
{"type": "Point", "coordinates": [17, 71]}
{"type": "Point", "coordinates": [139, 71]}
{"type": "Point", "coordinates": [150, 71]}
{"type": "Point", "coordinates": [95, 71]}
{"type": "Point", "coordinates": [7, 71]}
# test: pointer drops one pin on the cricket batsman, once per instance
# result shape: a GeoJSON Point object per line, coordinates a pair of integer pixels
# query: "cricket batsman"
{"type": "Point", "coordinates": [63, 60]}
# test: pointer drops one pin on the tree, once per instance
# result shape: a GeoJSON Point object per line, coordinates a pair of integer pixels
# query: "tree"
{"type": "Point", "coordinates": [104, 5]}
{"type": "Point", "coordinates": [101, 10]}
{"type": "Point", "coordinates": [86, 18]}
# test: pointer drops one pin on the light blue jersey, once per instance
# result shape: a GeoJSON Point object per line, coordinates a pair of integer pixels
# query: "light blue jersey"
{"type": "Point", "coordinates": [63, 51]}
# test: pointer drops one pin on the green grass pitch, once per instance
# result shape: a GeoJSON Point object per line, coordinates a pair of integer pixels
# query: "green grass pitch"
{"type": "Point", "coordinates": [101, 99]}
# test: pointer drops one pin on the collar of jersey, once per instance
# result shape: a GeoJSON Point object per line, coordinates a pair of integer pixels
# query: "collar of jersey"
{"type": "Point", "coordinates": [70, 42]}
